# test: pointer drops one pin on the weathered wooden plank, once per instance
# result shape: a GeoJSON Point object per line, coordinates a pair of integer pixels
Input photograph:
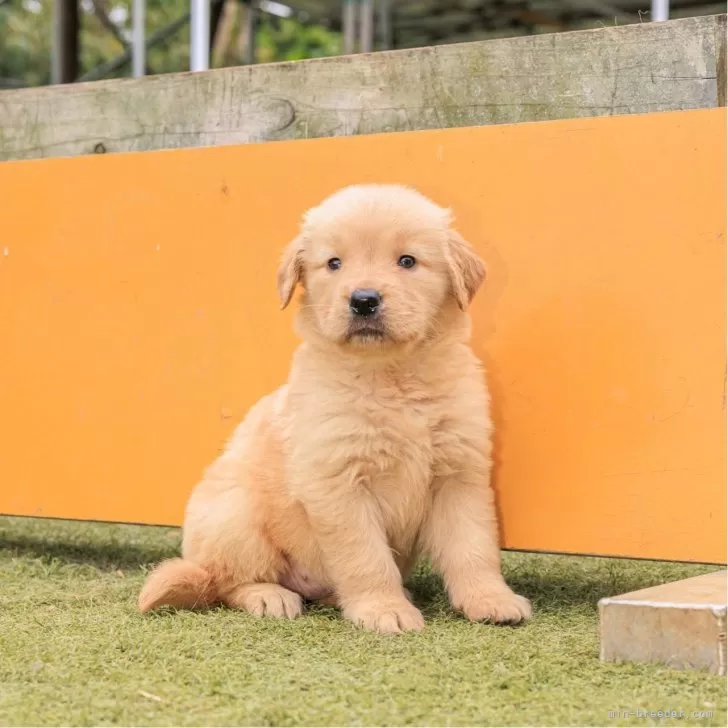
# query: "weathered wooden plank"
{"type": "Point", "coordinates": [682, 624]}
{"type": "Point", "coordinates": [621, 70]}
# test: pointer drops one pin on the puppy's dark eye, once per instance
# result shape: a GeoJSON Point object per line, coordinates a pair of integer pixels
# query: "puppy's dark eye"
{"type": "Point", "coordinates": [406, 261]}
{"type": "Point", "coordinates": [334, 263]}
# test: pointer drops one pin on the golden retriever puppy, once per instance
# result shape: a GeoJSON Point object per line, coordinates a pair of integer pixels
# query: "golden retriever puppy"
{"type": "Point", "coordinates": [377, 450]}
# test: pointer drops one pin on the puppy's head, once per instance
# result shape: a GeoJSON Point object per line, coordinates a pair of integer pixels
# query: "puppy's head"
{"type": "Point", "coordinates": [378, 265]}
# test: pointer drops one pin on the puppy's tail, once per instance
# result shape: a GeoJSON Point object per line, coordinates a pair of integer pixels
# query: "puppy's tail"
{"type": "Point", "coordinates": [177, 583]}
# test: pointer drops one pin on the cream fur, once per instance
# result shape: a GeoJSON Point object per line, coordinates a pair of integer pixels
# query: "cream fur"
{"type": "Point", "coordinates": [375, 452]}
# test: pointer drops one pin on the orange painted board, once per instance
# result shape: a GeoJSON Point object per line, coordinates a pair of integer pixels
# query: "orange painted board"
{"type": "Point", "coordinates": [139, 319]}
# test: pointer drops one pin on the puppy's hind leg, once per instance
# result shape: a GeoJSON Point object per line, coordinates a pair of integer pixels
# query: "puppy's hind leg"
{"type": "Point", "coordinates": [227, 524]}
{"type": "Point", "coordinates": [248, 568]}
{"type": "Point", "coordinates": [227, 536]}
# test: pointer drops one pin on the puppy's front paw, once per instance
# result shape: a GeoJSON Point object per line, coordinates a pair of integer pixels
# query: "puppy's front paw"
{"type": "Point", "coordinates": [385, 616]}
{"type": "Point", "coordinates": [498, 605]}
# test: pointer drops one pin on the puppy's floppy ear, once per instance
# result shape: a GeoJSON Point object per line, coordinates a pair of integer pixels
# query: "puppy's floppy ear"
{"type": "Point", "coordinates": [467, 270]}
{"type": "Point", "coordinates": [290, 271]}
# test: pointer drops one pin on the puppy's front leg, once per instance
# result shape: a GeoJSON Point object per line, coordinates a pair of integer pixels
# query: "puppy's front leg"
{"type": "Point", "coordinates": [461, 536]}
{"type": "Point", "coordinates": [359, 561]}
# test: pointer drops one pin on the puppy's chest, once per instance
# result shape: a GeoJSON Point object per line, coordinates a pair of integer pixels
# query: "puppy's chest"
{"type": "Point", "coordinates": [387, 424]}
{"type": "Point", "coordinates": [375, 434]}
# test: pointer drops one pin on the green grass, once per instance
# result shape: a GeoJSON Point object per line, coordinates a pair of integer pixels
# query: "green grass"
{"type": "Point", "coordinates": [73, 650]}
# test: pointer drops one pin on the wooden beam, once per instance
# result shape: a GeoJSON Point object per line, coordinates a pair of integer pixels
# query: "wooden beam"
{"type": "Point", "coordinates": [623, 70]}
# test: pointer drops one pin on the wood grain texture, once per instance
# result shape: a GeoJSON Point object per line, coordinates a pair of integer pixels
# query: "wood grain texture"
{"type": "Point", "coordinates": [620, 70]}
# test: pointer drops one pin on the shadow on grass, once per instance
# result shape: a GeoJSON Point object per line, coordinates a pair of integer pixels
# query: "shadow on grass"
{"type": "Point", "coordinates": [114, 549]}
{"type": "Point", "coordinates": [554, 582]}
{"type": "Point", "coordinates": [573, 589]}
{"type": "Point", "coordinates": [551, 582]}
{"type": "Point", "coordinates": [547, 592]}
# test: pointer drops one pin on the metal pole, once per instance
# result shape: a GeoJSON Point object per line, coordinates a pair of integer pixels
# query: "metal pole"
{"type": "Point", "coordinates": [660, 10]}
{"type": "Point", "coordinates": [366, 25]}
{"type": "Point", "coordinates": [138, 45]}
{"type": "Point", "coordinates": [200, 35]}
{"type": "Point", "coordinates": [385, 24]}
{"type": "Point", "coordinates": [64, 53]}
{"type": "Point", "coordinates": [348, 21]}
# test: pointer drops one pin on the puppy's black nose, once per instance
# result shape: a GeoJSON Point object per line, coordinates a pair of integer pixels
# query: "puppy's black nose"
{"type": "Point", "coordinates": [364, 302]}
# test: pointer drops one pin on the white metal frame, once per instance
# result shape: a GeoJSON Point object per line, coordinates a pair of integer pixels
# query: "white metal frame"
{"type": "Point", "coordinates": [660, 10]}
{"type": "Point", "coordinates": [199, 35]}
{"type": "Point", "coordinates": [138, 40]}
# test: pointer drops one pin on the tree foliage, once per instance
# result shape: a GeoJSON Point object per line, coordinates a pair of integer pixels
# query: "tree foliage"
{"type": "Point", "coordinates": [26, 38]}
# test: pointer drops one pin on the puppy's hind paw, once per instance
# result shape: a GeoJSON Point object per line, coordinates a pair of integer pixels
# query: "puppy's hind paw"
{"type": "Point", "coordinates": [269, 600]}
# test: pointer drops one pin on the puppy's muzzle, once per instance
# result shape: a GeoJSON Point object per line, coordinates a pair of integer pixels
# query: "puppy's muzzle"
{"type": "Point", "coordinates": [365, 302]}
